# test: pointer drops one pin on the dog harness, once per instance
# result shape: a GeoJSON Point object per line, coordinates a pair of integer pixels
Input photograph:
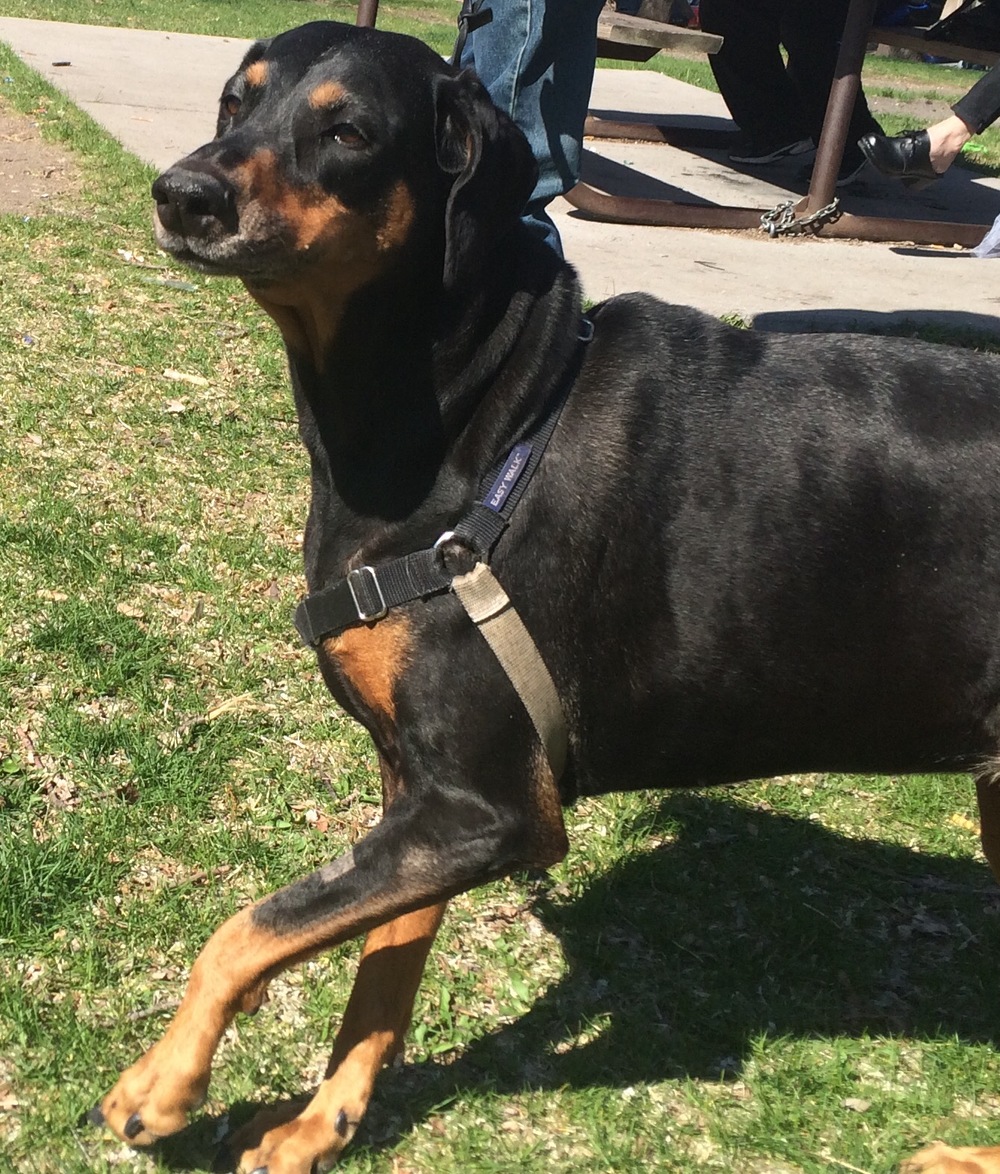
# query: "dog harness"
{"type": "Point", "coordinates": [367, 593]}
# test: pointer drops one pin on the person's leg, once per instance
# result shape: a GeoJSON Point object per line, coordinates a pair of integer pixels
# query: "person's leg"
{"type": "Point", "coordinates": [981, 105]}
{"type": "Point", "coordinates": [536, 59]}
{"type": "Point", "coordinates": [811, 32]}
{"type": "Point", "coordinates": [750, 71]}
{"type": "Point", "coordinates": [665, 11]}
{"type": "Point", "coordinates": [945, 140]}
{"type": "Point", "coordinates": [920, 155]}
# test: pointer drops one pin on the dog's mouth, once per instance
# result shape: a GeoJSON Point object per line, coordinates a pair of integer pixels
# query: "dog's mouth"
{"type": "Point", "coordinates": [201, 251]}
{"type": "Point", "coordinates": [180, 250]}
{"type": "Point", "coordinates": [220, 247]}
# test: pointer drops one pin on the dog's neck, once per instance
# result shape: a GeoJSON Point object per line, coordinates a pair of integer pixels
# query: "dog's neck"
{"type": "Point", "coordinates": [386, 417]}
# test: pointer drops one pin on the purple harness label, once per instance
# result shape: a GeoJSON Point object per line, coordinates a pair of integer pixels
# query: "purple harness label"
{"type": "Point", "coordinates": [517, 462]}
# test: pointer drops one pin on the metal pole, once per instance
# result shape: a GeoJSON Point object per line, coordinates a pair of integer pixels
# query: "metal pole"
{"type": "Point", "coordinates": [367, 12]}
{"type": "Point", "coordinates": [843, 92]}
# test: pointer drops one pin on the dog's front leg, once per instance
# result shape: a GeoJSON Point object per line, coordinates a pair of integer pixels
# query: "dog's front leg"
{"type": "Point", "coordinates": [153, 1098]}
{"type": "Point", "coordinates": [427, 848]}
{"type": "Point", "coordinates": [371, 1035]}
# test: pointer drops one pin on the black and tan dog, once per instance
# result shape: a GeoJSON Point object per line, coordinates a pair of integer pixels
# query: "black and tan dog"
{"type": "Point", "coordinates": [739, 555]}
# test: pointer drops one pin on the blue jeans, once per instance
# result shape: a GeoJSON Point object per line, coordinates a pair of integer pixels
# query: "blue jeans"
{"type": "Point", "coordinates": [536, 59]}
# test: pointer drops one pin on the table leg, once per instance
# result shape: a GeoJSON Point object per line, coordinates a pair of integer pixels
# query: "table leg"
{"type": "Point", "coordinates": [843, 92]}
{"type": "Point", "coordinates": [367, 12]}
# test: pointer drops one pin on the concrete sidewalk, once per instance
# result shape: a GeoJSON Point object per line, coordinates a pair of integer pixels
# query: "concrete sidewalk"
{"type": "Point", "coordinates": [157, 93]}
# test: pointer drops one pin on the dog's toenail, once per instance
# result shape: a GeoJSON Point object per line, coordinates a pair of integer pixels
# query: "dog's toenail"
{"type": "Point", "coordinates": [133, 1126]}
{"type": "Point", "coordinates": [95, 1116]}
{"type": "Point", "coordinates": [341, 1123]}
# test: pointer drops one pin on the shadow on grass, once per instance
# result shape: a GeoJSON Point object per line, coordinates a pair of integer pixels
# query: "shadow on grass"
{"type": "Point", "coordinates": [743, 923]}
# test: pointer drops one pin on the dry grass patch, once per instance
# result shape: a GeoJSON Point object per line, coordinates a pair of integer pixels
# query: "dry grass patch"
{"type": "Point", "coordinates": [36, 177]}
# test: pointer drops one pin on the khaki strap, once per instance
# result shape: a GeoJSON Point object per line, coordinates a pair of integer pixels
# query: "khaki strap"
{"type": "Point", "coordinates": [494, 615]}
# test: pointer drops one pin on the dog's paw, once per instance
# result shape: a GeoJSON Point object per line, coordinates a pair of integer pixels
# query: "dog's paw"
{"type": "Point", "coordinates": [151, 1100]}
{"type": "Point", "coordinates": [291, 1140]}
{"type": "Point", "coordinates": [943, 1159]}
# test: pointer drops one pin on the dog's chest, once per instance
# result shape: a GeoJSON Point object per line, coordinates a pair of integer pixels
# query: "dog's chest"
{"type": "Point", "coordinates": [367, 663]}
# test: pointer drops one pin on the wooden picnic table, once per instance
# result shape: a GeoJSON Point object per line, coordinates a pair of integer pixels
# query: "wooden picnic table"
{"type": "Point", "coordinates": [858, 34]}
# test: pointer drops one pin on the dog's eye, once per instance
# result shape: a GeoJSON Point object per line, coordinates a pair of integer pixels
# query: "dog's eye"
{"type": "Point", "coordinates": [231, 105]}
{"type": "Point", "coordinates": [345, 134]}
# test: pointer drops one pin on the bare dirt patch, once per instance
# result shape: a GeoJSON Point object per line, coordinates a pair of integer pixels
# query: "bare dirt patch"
{"type": "Point", "coordinates": [35, 176]}
{"type": "Point", "coordinates": [922, 111]}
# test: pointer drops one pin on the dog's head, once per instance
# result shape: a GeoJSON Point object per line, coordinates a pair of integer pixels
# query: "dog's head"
{"type": "Point", "coordinates": [338, 152]}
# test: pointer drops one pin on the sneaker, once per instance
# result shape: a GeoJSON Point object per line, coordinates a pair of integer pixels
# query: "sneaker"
{"type": "Point", "coordinates": [851, 166]}
{"type": "Point", "coordinates": [754, 152]}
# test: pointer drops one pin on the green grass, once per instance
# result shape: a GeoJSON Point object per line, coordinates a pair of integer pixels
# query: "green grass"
{"type": "Point", "coordinates": [432, 20]}
{"type": "Point", "coordinates": [791, 976]}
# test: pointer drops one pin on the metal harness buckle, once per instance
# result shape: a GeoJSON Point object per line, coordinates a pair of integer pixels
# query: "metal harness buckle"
{"type": "Point", "coordinates": [367, 617]}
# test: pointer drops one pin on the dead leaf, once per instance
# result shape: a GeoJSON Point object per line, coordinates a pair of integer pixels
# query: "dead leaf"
{"type": "Point", "coordinates": [962, 821]}
{"type": "Point", "coordinates": [185, 377]}
{"type": "Point", "coordinates": [856, 1104]}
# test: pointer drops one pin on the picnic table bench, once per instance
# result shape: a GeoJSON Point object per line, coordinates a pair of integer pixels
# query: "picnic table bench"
{"type": "Point", "coordinates": [632, 38]}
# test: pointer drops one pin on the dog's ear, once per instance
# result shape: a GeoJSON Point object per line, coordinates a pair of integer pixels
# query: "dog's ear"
{"type": "Point", "coordinates": [494, 169]}
{"type": "Point", "coordinates": [255, 53]}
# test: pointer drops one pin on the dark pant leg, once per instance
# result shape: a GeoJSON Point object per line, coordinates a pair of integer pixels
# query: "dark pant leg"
{"type": "Point", "coordinates": [749, 68]}
{"type": "Point", "coordinates": [981, 105]}
{"type": "Point", "coordinates": [811, 31]}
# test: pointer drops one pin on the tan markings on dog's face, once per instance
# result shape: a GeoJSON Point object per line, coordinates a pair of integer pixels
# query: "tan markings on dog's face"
{"type": "Point", "coordinates": [398, 220]}
{"type": "Point", "coordinates": [372, 659]}
{"type": "Point", "coordinates": [341, 250]}
{"type": "Point", "coordinates": [314, 216]}
{"type": "Point", "coordinates": [256, 74]}
{"type": "Point", "coordinates": [308, 212]}
{"type": "Point", "coordinates": [326, 94]}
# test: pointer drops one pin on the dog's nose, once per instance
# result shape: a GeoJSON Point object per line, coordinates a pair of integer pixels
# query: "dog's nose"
{"type": "Point", "coordinates": [194, 203]}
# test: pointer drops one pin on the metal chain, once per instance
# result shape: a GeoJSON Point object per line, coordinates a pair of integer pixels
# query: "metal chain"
{"type": "Point", "coordinates": [781, 220]}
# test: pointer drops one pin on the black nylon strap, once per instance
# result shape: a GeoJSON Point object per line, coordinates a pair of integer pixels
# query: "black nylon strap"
{"type": "Point", "coordinates": [368, 593]}
{"type": "Point", "coordinates": [480, 529]}
{"type": "Point", "coordinates": [471, 16]}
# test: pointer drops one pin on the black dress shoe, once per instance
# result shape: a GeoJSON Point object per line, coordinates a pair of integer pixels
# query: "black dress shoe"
{"type": "Point", "coordinates": [907, 156]}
